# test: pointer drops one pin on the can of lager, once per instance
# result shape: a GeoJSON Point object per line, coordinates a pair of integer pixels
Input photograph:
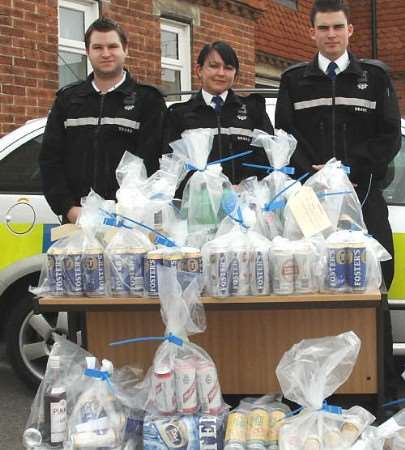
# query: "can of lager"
{"type": "Point", "coordinates": [218, 282]}
{"type": "Point", "coordinates": [236, 428]}
{"type": "Point", "coordinates": [56, 283]}
{"type": "Point", "coordinates": [336, 267]}
{"type": "Point", "coordinates": [283, 267]}
{"type": "Point", "coordinates": [163, 386]}
{"type": "Point", "coordinates": [192, 260]}
{"type": "Point", "coordinates": [173, 259]}
{"type": "Point", "coordinates": [357, 267]}
{"type": "Point", "coordinates": [240, 270]}
{"type": "Point", "coordinates": [303, 258]}
{"type": "Point", "coordinates": [186, 386]}
{"type": "Point", "coordinates": [72, 270]}
{"type": "Point", "coordinates": [152, 260]}
{"type": "Point", "coordinates": [93, 274]}
{"type": "Point", "coordinates": [136, 258]}
{"type": "Point", "coordinates": [259, 271]}
{"type": "Point", "coordinates": [258, 426]}
{"type": "Point", "coordinates": [119, 272]}
{"type": "Point", "coordinates": [209, 390]}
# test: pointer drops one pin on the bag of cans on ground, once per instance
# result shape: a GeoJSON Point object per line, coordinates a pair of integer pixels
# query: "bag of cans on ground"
{"type": "Point", "coordinates": [393, 432]}
{"type": "Point", "coordinates": [125, 254]}
{"type": "Point", "coordinates": [187, 432]}
{"type": "Point", "coordinates": [351, 262]}
{"type": "Point", "coordinates": [47, 423]}
{"type": "Point", "coordinates": [255, 423]}
{"type": "Point", "coordinates": [237, 261]}
{"type": "Point", "coordinates": [338, 198]}
{"type": "Point", "coordinates": [294, 266]}
{"type": "Point", "coordinates": [279, 149]}
{"type": "Point", "coordinates": [183, 378]}
{"type": "Point", "coordinates": [203, 191]}
{"type": "Point", "coordinates": [309, 373]}
{"type": "Point", "coordinates": [97, 419]}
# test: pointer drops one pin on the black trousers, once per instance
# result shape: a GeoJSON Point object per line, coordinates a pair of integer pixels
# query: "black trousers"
{"type": "Point", "coordinates": [375, 213]}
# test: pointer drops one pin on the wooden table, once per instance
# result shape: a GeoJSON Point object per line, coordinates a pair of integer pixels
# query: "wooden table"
{"type": "Point", "coordinates": [246, 336]}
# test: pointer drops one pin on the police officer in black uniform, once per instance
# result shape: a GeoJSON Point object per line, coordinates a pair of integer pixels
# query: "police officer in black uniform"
{"type": "Point", "coordinates": [217, 107]}
{"type": "Point", "coordinates": [343, 107]}
{"type": "Point", "coordinates": [92, 123]}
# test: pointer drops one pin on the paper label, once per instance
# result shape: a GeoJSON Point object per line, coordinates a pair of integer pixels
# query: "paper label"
{"type": "Point", "coordinates": [64, 230]}
{"type": "Point", "coordinates": [308, 212]}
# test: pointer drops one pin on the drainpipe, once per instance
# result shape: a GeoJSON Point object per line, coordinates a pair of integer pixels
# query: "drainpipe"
{"type": "Point", "coordinates": [374, 37]}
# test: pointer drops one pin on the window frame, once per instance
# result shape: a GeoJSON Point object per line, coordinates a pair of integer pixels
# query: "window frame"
{"type": "Point", "coordinates": [183, 63]}
{"type": "Point", "coordinates": [91, 13]}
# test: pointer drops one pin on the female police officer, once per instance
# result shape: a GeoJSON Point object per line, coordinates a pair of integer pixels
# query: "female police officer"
{"type": "Point", "coordinates": [217, 107]}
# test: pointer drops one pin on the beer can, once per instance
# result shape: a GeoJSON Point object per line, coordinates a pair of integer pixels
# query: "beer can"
{"type": "Point", "coordinates": [210, 432]}
{"type": "Point", "coordinates": [240, 271]}
{"type": "Point", "coordinates": [258, 426]}
{"type": "Point", "coordinates": [72, 271]}
{"type": "Point", "coordinates": [173, 259]}
{"type": "Point", "coordinates": [186, 387]}
{"type": "Point", "coordinates": [236, 428]}
{"type": "Point", "coordinates": [283, 268]}
{"type": "Point", "coordinates": [312, 443]}
{"type": "Point", "coordinates": [192, 260]}
{"type": "Point", "coordinates": [276, 417]}
{"type": "Point", "coordinates": [56, 283]}
{"type": "Point", "coordinates": [303, 257]}
{"type": "Point", "coordinates": [152, 260]}
{"type": "Point", "coordinates": [92, 439]}
{"type": "Point", "coordinates": [218, 271]}
{"type": "Point", "coordinates": [208, 388]}
{"type": "Point", "coordinates": [93, 274]}
{"type": "Point", "coordinates": [163, 386]}
{"type": "Point", "coordinates": [356, 267]}
{"type": "Point", "coordinates": [260, 271]}
{"type": "Point", "coordinates": [136, 257]}
{"type": "Point", "coordinates": [336, 267]}
{"type": "Point", "coordinates": [119, 272]}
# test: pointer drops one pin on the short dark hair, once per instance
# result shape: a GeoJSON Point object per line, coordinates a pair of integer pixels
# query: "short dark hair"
{"type": "Point", "coordinates": [329, 6]}
{"type": "Point", "coordinates": [104, 25]}
{"type": "Point", "coordinates": [226, 52]}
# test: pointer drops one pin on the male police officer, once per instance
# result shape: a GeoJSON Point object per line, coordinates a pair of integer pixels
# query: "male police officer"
{"type": "Point", "coordinates": [92, 123]}
{"type": "Point", "coordinates": [338, 105]}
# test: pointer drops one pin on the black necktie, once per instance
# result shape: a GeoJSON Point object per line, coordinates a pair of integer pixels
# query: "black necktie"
{"type": "Point", "coordinates": [217, 100]}
{"type": "Point", "coordinates": [331, 70]}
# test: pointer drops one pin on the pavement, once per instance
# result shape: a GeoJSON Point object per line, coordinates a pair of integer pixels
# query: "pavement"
{"type": "Point", "coordinates": [15, 404]}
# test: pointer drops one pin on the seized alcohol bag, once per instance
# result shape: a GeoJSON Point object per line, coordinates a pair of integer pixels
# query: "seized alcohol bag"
{"type": "Point", "coordinates": [310, 372]}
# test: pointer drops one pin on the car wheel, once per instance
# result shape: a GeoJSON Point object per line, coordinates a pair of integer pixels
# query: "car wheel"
{"type": "Point", "coordinates": [29, 339]}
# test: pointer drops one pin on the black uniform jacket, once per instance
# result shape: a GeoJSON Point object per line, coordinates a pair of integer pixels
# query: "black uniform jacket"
{"type": "Point", "coordinates": [87, 133]}
{"type": "Point", "coordinates": [233, 126]}
{"type": "Point", "coordinates": [354, 118]}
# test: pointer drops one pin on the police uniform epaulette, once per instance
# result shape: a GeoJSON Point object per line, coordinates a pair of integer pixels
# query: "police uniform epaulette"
{"type": "Point", "coordinates": [68, 86]}
{"type": "Point", "coordinates": [376, 63]}
{"type": "Point", "coordinates": [151, 86]}
{"type": "Point", "coordinates": [295, 66]}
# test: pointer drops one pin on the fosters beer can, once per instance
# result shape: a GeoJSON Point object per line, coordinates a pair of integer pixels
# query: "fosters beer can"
{"type": "Point", "coordinates": [55, 258]}
{"type": "Point", "coordinates": [218, 282]}
{"type": "Point", "coordinates": [93, 274]}
{"type": "Point", "coordinates": [260, 271]}
{"type": "Point", "coordinates": [336, 267]}
{"type": "Point", "coordinates": [356, 267]}
{"type": "Point", "coordinates": [72, 265]}
{"type": "Point", "coordinates": [153, 259]}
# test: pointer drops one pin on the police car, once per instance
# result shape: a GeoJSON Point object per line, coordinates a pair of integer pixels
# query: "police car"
{"type": "Point", "coordinates": [25, 224]}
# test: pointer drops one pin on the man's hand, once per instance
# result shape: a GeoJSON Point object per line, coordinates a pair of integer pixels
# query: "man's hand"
{"type": "Point", "coordinates": [318, 166]}
{"type": "Point", "coordinates": [73, 214]}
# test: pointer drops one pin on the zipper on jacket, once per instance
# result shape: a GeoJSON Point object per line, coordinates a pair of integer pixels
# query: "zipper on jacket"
{"type": "Point", "coordinates": [219, 135]}
{"type": "Point", "coordinates": [96, 143]}
{"type": "Point", "coordinates": [324, 151]}
{"type": "Point", "coordinates": [345, 155]}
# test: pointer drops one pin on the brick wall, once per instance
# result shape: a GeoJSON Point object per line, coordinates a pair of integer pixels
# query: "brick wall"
{"type": "Point", "coordinates": [28, 65]}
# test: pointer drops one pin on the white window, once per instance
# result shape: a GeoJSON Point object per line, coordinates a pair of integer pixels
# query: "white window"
{"type": "Point", "coordinates": [175, 53]}
{"type": "Point", "coordinates": [75, 16]}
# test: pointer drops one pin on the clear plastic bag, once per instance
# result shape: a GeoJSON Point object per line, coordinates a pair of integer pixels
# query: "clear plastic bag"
{"type": "Point", "coordinates": [183, 378]}
{"type": "Point", "coordinates": [279, 149]}
{"type": "Point", "coordinates": [53, 402]}
{"type": "Point", "coordinates": [337, 197]}
{"type": "Point", "coordinates": [237, 261]}
{"type": "Point", "coordinates": [350, 262]}
{"type": "Point", "coordinates": [203, 191]}
{"type": "Point", "coordinates": [393, 431]}
{"type": "Point", "coordinates": [310, 372]}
